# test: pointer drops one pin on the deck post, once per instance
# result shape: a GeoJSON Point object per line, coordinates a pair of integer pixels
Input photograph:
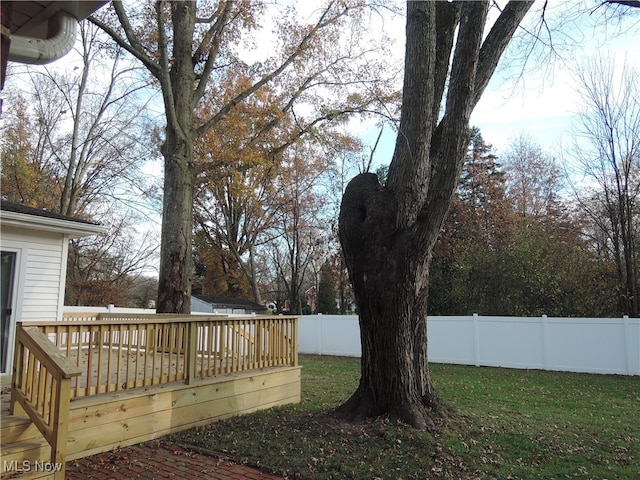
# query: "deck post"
{"type": "Point", "coordinates": [295, 341]}
{"type": "Point", "coordinates": [15, 408]}
{"type": "Point", "coordinates": [192, 350]}
{"type": "Point", "coordinates": [59, 440]}
{"type": "Point", "coordinates": [259, 351]}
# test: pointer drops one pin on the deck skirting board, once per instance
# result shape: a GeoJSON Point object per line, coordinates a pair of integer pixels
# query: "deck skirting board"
{"type": "Point", "coordinates": [107, 421]}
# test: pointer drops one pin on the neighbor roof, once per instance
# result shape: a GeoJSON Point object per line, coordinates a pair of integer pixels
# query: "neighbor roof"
{"type": "Point", "coordinates": [227, 302]}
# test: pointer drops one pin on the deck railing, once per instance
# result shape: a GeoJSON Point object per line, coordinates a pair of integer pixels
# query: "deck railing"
{"type": "Point", "coordinates": [41, 387]}
{"type": "Point", "coordinates": [123, 351]}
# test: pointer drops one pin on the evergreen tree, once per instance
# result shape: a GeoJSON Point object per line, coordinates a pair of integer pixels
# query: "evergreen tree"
{"type": "Point", "coordinates": [327, 290]}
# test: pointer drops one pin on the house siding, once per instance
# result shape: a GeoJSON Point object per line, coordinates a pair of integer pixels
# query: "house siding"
{"type": "Point", "coordinates": [40, 273]}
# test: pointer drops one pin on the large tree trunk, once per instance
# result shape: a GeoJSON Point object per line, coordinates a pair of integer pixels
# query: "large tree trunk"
{"type": "Point", "coordinates": [387, 232]}
{"type": "Point", "coordinates": [389, 272]}
{"type": "Point", "coordinates": [176, 271]}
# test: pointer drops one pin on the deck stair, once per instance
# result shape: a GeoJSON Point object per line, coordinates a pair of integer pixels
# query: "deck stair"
{"type": "Point", "coordinates": [24, 450]}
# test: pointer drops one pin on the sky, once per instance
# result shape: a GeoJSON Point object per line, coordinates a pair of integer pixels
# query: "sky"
{"type": "Point", "coordinates": [545, 107]}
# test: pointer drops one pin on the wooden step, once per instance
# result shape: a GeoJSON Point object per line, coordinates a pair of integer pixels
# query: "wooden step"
{"type": "Point", "coordinates": [16, 429]}
{"type": "Point", "coordinates": [25, 453]}
{"type": "Point", "coordinates": [28, 476]}
{"type": "Point", "coordinates": [27, 458]}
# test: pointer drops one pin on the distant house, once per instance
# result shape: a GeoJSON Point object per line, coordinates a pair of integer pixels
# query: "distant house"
{"type": "Point", "coordinates": [206, 304]}
{"type": "Point", "coordinates": [34, 245]}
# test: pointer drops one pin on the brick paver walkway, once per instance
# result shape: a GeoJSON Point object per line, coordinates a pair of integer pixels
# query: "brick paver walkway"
{"type": "Point", "coordinates": [158, 461]}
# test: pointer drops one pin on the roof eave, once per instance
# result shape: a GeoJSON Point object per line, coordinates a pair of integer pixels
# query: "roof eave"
{"type": "Point", "coordinates": [46, 224]}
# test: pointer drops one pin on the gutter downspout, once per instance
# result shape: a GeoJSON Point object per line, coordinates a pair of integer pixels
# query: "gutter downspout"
{"type": "Point", "coordinates": [37, 51]}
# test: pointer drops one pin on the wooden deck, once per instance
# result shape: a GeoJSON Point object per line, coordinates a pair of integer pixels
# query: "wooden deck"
{"type": "Point", "coordinates": [130, 393]}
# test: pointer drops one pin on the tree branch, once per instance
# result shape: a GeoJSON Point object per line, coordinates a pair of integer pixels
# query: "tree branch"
{"type": "Point", "coordinates": [131, 44]}
{"type": "Point", "coordinates": [409, 171]}
{"type": "Point", "coordinates": [464, 67]}
{"type": "Point", "coordinates": [306, 40]}
{"type": "Point", "coordinates": [164, 76]}
{"type": "Point", "coordinates": [447, 18]}
{"type": "Point", "coordinates": [212, 36]}
{"type": "Point", "coordinates": [626, 3]}
{"type": "Point", "coordinates": [496, 42]}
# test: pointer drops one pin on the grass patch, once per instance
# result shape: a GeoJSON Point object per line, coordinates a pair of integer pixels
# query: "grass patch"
{"type": "Point", "coordinates": [514, 424]}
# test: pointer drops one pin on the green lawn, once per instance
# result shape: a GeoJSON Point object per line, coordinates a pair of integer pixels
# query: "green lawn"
{"type": "Point", "coordinates": [513, 424]}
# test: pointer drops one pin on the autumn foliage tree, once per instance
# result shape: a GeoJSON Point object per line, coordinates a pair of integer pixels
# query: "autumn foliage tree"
{"type": "Point", "coordinates": [235, 198]}
{"type": "Point", "coordinates": [472, 231]}
{"type": "Point", "coordinates": [512, 245]}
{"type": "Point", "coordinates": [243, 185]}
{"type": "Point", "coordinates": [27, 176]}
{"type": "Point", "coordinates": [189, 47]}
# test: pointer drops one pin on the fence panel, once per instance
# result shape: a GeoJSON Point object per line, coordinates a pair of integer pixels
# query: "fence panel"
{"type": "Point", "coordinates": [594, 345]}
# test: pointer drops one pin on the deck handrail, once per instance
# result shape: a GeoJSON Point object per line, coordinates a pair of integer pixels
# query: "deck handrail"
{"type": "Point", "coordinates": [41, 387]}
{"type": "Point", "coordinates": [122, 351]}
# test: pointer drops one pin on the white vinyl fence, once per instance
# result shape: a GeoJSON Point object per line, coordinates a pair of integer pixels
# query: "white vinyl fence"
{"type": "Point", "coordinates": [595, 345]}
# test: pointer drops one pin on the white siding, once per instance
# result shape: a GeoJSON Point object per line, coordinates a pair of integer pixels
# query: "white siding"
{"type": "Point", "coordinates": [40, 274]}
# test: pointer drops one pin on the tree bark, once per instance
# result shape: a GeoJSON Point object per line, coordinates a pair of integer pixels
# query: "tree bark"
{"type": "Point", "coordinates": [389, 273]}
{"type": "Point", "coordinates": [387, 232]}
{"type": "Point", "coordinates": [176, 263]}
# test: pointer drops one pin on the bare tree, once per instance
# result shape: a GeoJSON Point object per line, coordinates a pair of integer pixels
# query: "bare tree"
{"type": "Point", "coordinates": [75, 139]}
{"type": "Point", "coordinates": [534, 178]}
{"type": "Point", "coordinates": [608, 150]}
{"type": "Point", "coordinates": [300, 236]}
{"type": "Point", "coordinates": [104, 269]}
{"type": "Point", "coordinates": [87, 138]}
